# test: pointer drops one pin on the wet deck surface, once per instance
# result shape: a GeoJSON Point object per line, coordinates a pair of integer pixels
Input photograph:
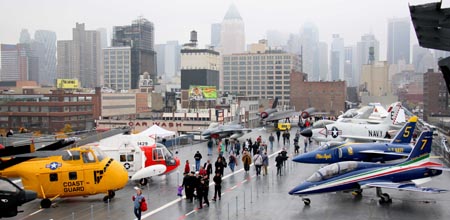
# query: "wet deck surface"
{"type": "Point", "coordinates": [246, 196]}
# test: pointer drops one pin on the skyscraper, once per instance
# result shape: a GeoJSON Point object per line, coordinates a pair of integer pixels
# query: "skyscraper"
{"type": "Point", "coordinates": [323, 61]}
{"type": "Point", "coordinates": [47, 57]}
{"type": "Point", "coordinates": [169, 59]}
{"type": "Point", "coordinates": [309, 37]}
{"type": "Point", "coordinates": [14, 62]}
{"type": "Point", "coordinates": [215, 34]}
{"type": "Point", "coordinates": [140, 36]}
{"type": "Point", "coordinates": [349, 66]}
{"type": "Point", "coordinates": [232, 32]}
{"type": "Point", "coordinates": [337, 58]}
{"type": "Point", "coordinates": [25, 37]}
{"type": "Point", "coordinates": [276, 39]}
{"type": "Point", "coordinates": [362, 53]}
{"type": "Point", "coordinates": [80, 58]}
{"type": "Point", "coordinates": [398, 47]}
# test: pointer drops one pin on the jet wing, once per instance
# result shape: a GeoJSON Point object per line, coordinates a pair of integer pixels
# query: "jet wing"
{"type": "Point", "coordinates": [281, 115]}
{"type": "Point", "coordinates": [380, 152]}
{"type": "Point", "coordinates": [354, 138]}
{"type": "Point", "coordinates": [408, 186]}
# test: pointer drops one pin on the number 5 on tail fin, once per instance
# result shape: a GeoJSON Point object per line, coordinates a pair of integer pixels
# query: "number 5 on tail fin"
{"type": "Point", "coordinates": [406, 133]}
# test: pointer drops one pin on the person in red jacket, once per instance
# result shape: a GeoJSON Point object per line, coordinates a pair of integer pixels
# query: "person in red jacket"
{"type": "Point", "coordinates": [187, 168]}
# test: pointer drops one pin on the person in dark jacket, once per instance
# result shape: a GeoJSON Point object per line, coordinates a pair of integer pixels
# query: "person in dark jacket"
{"type": "Point", "coordinates": [202, 192]}
{"type": "Point", "coordinates": [279, 163]}
{"type": "Point", "coordinates": [197, 158]}
{"type": "Point", "coordinates": [217, 187]}
{"type": "Point", "coordinates": [219, 165]}
{"type": "Point", "coordinates": [208, 167]}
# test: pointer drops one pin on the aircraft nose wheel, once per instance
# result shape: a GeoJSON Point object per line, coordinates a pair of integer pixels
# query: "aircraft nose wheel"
{"type": "Point", "coordinates": [46, 203]}
{"type": "Point", "coordinates": [384, 197]}
{"type": "Point", "coordinates": [307, 201]}
{"type": "Point", "coordinates": [357, 194]}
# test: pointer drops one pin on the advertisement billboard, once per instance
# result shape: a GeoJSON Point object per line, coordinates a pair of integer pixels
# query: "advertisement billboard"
{"type": "Point", "coordinates": [202, 92]}
{"type": "Point", "coordinates": [67, 83]}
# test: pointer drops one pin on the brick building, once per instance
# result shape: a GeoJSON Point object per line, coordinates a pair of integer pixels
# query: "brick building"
{"type": "Point", "coordinates": [324, 96]}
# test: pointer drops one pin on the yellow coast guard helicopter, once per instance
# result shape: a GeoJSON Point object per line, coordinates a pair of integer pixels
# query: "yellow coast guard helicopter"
{"type": "Point", "coordinates": [81, 171]}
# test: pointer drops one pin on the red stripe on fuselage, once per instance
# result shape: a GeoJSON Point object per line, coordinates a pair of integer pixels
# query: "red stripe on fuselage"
{"type": "Point", "coordinates": [427, 164]}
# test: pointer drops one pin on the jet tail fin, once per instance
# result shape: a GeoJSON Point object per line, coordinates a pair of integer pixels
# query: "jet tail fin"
{"type": "Point", "coordinates": [275, 103]}
{"type": "Point", "coordinates": [393, 110]}
{"type": "Point", "coordinates": [406, 133]}
{"type": "Point", "coordinates": [422, 148]}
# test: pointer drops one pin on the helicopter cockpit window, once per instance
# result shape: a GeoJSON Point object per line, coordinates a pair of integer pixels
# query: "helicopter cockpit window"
{"type": "Point", "coordinates": [71, 155]}
{"type": "Point", "coordinates": [123, 158]}
{"type": "Point", "coordinates": [88, 157]}
{"type": "Point", "coordinates": [99, 154]}
{"type": "Point", "coordinates": [169, 157]}
{"type": "Point", "coordinates": [6, 186]}
{"type": "Point", "coordinates": [158, 154]}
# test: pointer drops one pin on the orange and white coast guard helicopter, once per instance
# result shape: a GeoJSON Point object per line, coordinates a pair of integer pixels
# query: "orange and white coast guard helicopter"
{"type": "Point", "coordinates": [140, 155]}
{"type": "Point", "coordinates": [79, 171]}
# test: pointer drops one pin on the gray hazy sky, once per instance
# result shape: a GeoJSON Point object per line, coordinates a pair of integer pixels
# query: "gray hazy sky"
{"type": "Point", "coordinates": [174, 19]}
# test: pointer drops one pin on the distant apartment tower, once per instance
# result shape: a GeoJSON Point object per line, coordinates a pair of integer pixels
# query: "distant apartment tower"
{"type": "Point", "coordinates": [117, 68]}
{"type": "Point", "coordinates": [168, 59]}
{"type": "Point", "coordinates": [337, 55]}
{"type": "Point", "coordinates": [435, 95]}
{"type": "Point", "coordinates": [140, 36]}
{"type": "Point", "coordinates": [398, 47]}
{"type": "Point", "coordinates": [47, 57]}
{"type": "Point", "coordinates": [80, 58]}
{"type": "Point", "coordinates": [262, 73]}
{"type": "Point", "coordinates": [15, 62]}
{"type": "Point", "coordinates": [215, 34]}
{"type": "Point", "coordinates": [362, 53]}
{"type": "Point", "coordinates": [232, 32]}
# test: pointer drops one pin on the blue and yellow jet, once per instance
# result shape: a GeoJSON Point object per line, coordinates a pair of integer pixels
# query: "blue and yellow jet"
{"type": "Point", "coordinates": [352, 175]}
{"type": "Point", "coordinates": [333, 152]}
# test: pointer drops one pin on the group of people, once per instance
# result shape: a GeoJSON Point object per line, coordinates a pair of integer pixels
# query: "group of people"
{"type": "Point", "coordinates": [196, 183]}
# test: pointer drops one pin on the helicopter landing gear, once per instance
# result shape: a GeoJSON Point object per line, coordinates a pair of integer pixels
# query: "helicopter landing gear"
{"type": "Point", "coordinates": [143, 181]}
{"type": "Point", "coordinates": [384, 197]}
{"type": "Point", "coordinates": [110, 196]}
{"type": "Point", "coordinates": [46, 203]}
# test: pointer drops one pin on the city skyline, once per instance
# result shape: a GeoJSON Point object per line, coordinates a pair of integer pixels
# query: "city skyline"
{"type": "Point", "coordinates": [173, 19]}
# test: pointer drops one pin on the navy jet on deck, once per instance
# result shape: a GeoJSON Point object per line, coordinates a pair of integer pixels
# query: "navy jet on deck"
{"type": "Point", "coordinates": [356, 176]}
{"type": "Point", "coordinates": [333, 152]}
{"type": "Point", "coordinates": [273, 115]}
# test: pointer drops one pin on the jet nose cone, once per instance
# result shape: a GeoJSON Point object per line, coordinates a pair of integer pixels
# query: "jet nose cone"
{"type": "Point", "coordinates": [304, 158]}
{"type": "Point", "coordinates": [307, 133]}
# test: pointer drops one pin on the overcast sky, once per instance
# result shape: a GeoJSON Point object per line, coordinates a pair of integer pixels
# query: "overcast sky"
{"type": "Point", "coordinates": [174, 19]}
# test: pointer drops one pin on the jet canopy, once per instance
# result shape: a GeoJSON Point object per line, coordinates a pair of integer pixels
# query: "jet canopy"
{"type": "Point", "coordinates": [330, 145]}
{"type": "Point", "coordinates": [333, 170]}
